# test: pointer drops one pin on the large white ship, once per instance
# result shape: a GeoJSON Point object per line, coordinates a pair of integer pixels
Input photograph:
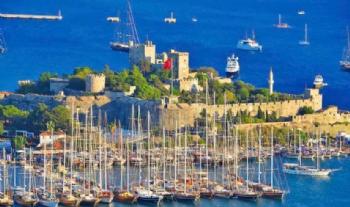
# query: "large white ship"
{"type": "Point", "coordinates": [232, 66]}
{"type": "Point", "coordinates": [249, 44]}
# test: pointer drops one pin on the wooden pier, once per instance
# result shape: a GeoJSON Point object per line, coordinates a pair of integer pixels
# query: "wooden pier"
{"type": "Point", "coordinates": [32, 16]}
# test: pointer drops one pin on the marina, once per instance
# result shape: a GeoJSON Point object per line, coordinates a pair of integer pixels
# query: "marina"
{"type": "Point", "coordinates": [132, 111]}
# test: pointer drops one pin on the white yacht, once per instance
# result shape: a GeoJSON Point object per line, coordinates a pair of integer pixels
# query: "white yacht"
{"type": "Point", "coordinates": [194, 19]}
{"type": "Point", "coordinates": [280, 24]}
{"type": "Point", "coordinates": [293, 168]}
{"type": "Point", "coordinates": [319, 82]}
{"type": "Point", "coordinates": [249, 44]}
{"type": "Point", "coordinates": [171, 19]}
{"type": "Point", "coordinates": [113, 19]}
{"type": "Point", "coordinates": [301, 12]}
{"type": "Point", "coordinates": [232, 67]}
{"type": "Point", "coordinates": [305, 41]}
{"type": "Point", "coordinates": [345, 61]}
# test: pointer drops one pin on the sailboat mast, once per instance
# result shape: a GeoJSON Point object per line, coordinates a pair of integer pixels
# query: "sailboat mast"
{"type": "Point", "coordinates": [148, 151]}
{"type": "Point", "coordinates": [206, 137]}
{"type": "Point", "coordinates": [44, 176]}
{"type": "Point", "coordinates": [259, 157]}
{"type": "Point", "coordinates": [299, 149]}
{"type": "Point", "coordinates": [185, 184]}
{"type": "Point", "coordinates": [306, 38]}
{"type": "Point", "coordinates": [247, 163]}
{"type": "Point", "coordinates": [272, 153]}
{"type": "Point", "coordinates": [175, 156]}
{"type": "Point", "coordinates": [164, 160]}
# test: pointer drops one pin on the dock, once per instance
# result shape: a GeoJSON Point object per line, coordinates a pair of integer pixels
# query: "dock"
{"type": "Point", "coordinates": [32, 16]}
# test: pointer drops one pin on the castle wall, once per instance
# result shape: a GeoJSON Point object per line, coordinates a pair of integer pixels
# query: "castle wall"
{"type": "Point", "coordinates": [186, 114]}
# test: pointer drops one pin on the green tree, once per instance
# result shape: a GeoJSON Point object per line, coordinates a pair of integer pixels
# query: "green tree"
{"type": "Point", "coordinates": [19, 142]}
{"type": "Point", "coordinates": [305, 110]}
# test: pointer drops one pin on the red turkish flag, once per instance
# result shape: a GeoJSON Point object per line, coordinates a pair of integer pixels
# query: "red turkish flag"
{"type": "Point", "coordinates": [167, 64]}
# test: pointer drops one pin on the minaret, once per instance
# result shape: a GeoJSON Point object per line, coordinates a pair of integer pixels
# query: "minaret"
{"type": "Point", "coordinates": [271, 82]}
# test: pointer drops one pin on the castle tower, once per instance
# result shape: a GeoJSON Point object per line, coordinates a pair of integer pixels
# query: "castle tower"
{"type": "Point", "coordinates": [271, 82]}
{"type": "Point", "coordinates": [181, 66]}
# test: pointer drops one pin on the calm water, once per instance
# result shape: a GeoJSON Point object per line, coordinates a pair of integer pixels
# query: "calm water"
{"type": "Point", "coordinates": [82, 38]}
{"type": "Point", "coordinates": [303, 190]}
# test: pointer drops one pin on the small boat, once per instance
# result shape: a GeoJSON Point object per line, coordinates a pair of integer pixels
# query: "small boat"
{"type": "Point", "coordinates": [232, 66]}
{"type": "Point", "coordinates": [5, 200]}
{"type": "Point", "coordinates": [186, 196]}
{"type": "Point", "coordinates": [247, 194]}
{"type": "Point", "coordinates": [26, 199]}
{"type": "Point", "coordinates": [194, 19]}
{"type": "Point", "coordinates": [280, 24]}
{"type": "Point", "coordinates": [120, 46]}
{"type": "Point", "coordinates": [319, 82]}
{"type": "Point", "coordinates": [105, 196]}
{"type": "Point", "coordinates": [206, 193]}
{"type": "Point", "coordinates": [345, 61]}
{"type": "Point", "coordinates": [221, 192]}
{"type": "Point", "coordinates": [47, 201]}
{"type": "Point", "coordinates": [273, 193]}
{"type": "Point", "coordinates": [305, 41]}
{"type": "Point", "coordinates": [147, 196]}
{"type": "Point", "coordinates": [249, 44]}
{"type": "Point", "coordinates": [89, 200]}
{"type": "Point", "coordinates": [301, 12]}
{"type": "Point", "coordinates": [113, 19]}
{"type": "Point", "coordinates": [171, 19]}
{"type": "Point", "coordinates": [69, 200]}
{"type": "Point", "coordinates": [125, 197]}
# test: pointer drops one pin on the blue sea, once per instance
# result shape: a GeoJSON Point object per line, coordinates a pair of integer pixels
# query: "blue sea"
{"type": "Point", "coordinates": [82, 39]}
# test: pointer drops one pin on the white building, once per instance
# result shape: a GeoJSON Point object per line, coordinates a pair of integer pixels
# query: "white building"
{"type": "Point", "coordinates": [46, 138]}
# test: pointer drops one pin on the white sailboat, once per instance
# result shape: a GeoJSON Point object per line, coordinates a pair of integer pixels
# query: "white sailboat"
{"type": "Point", "coordinates": [5, 197]}
{"type": "Point", "coordinates": [305, 41]}
{"type": "Point", "coordinates": [171, 19]}
{"type": "Point", "coordinates": [145, 194]}
{"type": "Point", "coordinates": [2, 43]}
{"type": "Point", "coordinates": [345, 61]}
{"type": "Point", "coordinates": [280, 24]}
{"type": "Point", "coordinates": [299, 169]}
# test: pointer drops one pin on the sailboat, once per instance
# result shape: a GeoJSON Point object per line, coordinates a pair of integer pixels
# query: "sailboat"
{"type": "Point", "coordinates": [121, 195]}
{"type": "Point", "coordinates": [280, 24]}
{"type": "Point", "coordinates": [48, 199]}
{"type": "Point", "coordinates": [104, 194]}
{"type": "Point", "coordinates": [345, 61]}
{"type": "Point", "coordinates": [88, 198]}
{"type": "Point", "coordinates": [171, 19]}
{"type": "Point", "coordinates": [186, 195]}
{"type": "Point", "coordinates": [5, 197]}
{"type": "Point", "coordinates": [2, 43]}
{"type": "Point", "coordinates": [299, 169]}
{"type": "Point", "coordinates": [271, 191]}
{"type": "Point", "coordinates": [145, 194]}
{"type": "Point", "coordinates": [305, 41]}
{"type": "Point", "coordinates": [67, 198]}
{"type": "Point", "coordinates": [205, 191]}
{"type": "Point", "coordinates": [246, 192]}
{"type": "Point", "coordinates": [125, 40]}
{"type": "Point", "coordinates": [26, 197]}
{"type": "Point", "coordinates": [221, 190]}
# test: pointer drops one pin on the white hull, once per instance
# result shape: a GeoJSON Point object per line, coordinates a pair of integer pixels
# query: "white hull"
{"type": "Point", "coordinates": [310, 172]}
{"type": "Point", "coordinates": [48, 203]}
